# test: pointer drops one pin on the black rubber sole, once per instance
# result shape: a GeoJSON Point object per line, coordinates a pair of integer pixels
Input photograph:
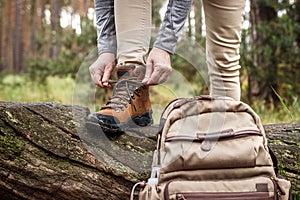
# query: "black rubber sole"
{"type": "Point", "coordinates": [92, 124]}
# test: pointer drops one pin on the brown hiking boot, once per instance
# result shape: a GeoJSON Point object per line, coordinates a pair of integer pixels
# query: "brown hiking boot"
{"type": "Point", "coordinates": [129, 104]}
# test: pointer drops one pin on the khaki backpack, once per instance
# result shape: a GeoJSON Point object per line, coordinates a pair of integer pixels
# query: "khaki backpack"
{"type": "Point", "coordinates": [212, 148]}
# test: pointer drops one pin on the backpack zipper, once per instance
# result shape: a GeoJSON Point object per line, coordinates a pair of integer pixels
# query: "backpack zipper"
{"type": "Point", "coordinates": [224, 195]}
{"type": "Point", "coordinates": [226, 134]}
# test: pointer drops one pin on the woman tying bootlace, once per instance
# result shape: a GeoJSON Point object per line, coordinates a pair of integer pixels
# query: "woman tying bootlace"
{"type": "Point", "coordinates": [124, 31]}
{"type": "Point", "coordinates": [129, 101]}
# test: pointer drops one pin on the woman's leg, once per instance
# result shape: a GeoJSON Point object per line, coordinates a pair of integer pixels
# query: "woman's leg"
{"type": "Point", "coordinates": [223, 36]}
{"type": "Point", "coordinates": [133, 27]}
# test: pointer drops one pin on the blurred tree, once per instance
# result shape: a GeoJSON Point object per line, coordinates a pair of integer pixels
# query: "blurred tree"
{"type": "Point", "coordinates": [55, 28]}
{"type": "Point", "coordinates": [31, 34]}
{"type": "Point", "coordinates": [27, 33]}
{"type": "Point", "coordinates": [7, 27]}
{"type": "Point", "coordinates": [156, 18]}
{"type": "Point", "coordinates": [269, 51]}
{"type": "Point", "coordinates": [17, 34]}
{"type": "Point", "coordinates": [71, 47]}
{"type": "Point", "coordinates": [1, 32]}
{"type": "Point", "coordinates": [189, 59]}
{"type": "Point", "coordinates": [262, 13]}
{"type": "Point", "coordinates": [297, 18]}
{"type": "Point", "coordinates": [197, 7]}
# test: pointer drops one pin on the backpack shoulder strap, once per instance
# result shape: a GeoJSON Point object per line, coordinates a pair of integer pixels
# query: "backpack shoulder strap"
{"type": "Point", "coordinates": [274, 159]}
{"type": "Point", "coordinates": [171, 106]}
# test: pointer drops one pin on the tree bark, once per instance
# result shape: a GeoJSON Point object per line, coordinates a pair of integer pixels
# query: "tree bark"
{"type": "Point", "coordinates": [47, 153]}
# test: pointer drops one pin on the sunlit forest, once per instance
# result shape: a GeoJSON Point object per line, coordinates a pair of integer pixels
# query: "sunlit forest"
{"type": "Point", "coordinates": [45, 44]}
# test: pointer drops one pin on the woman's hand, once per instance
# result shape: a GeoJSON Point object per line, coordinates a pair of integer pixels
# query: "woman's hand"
{"type": "Point", "coordinates": [102, 68]}
{"type": "Point", "coordinates": [158, 67]}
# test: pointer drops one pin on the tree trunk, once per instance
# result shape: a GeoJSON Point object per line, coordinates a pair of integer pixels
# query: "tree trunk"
{"type": "Point", "coordinates": [47, 153]}
{"type": "Point", "coordinates": [55, 28]}
{"type": "Point", "coordinates": [2, 4]}
{"type": "Point", "coordinates": [7, 55]}
{"type": "Point", "coordinates": [198, 20]}
{"type": "Point", "coordinates": [32, 28]}
{"type": "Point", "coordinates": [18, 37]}
{"type": "Point", "coordinates": [297, 7]}
{"type": "Point", "coordinates": [264, 76]}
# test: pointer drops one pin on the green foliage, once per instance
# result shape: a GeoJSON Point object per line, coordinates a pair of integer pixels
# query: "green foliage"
{"type": "Point", "coordinates": [283, 104]}
{"type": "Point", "coordinates": [273, 58]}
{"type": "Point", "coordinates": [73, 49]}
{"type": "Point", "coordinates": [190, 61]}
{"type": "Point", "coordinates": [277, 114]}
{"type": "Point", "coordinates": [22, 88]}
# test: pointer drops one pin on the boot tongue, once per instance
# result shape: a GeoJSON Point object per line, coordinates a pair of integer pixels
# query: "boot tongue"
{"type": "Point", "coordinates": [124, 72]}
{"type": "Point", "coordinates": [130, 71]}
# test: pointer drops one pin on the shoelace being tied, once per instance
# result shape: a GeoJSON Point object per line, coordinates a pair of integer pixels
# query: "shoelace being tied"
{"type": "Point", "coordinates": [124, 93]}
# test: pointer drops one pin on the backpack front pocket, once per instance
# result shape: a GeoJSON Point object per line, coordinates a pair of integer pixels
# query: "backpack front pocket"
{"type": "Point", "coordinates": [225, 149]}
{"type": "Point", "coordinates": [258, 188]}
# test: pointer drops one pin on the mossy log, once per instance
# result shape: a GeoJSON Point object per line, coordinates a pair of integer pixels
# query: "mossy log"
{"type": "Point", "coordinates": [47, 153]}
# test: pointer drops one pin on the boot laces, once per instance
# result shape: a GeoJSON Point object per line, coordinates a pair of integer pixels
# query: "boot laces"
{"type": "Point", "coordinates": [123, 94]}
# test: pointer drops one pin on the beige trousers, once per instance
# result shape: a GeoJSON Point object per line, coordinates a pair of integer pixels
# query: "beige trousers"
{"type": "Point", "coordinates": [133, 30]}
{"type": "Point", "coordinates": [223, 20]}
{"type": "Point", "coordinates": [223, 35]}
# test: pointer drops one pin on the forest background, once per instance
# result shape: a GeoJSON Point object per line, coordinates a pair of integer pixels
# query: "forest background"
{"type": "Point", "coordinates": [45, 45]}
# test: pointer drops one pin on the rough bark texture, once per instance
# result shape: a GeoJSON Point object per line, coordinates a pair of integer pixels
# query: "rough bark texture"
{"type": "Point", "coordinates": [47, 154]}
{"type": "Point", "coordinates": [284, 140]}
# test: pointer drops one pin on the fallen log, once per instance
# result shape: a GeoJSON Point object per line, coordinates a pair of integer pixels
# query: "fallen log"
{"type": "Point", "coordinates": [46, 153]}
